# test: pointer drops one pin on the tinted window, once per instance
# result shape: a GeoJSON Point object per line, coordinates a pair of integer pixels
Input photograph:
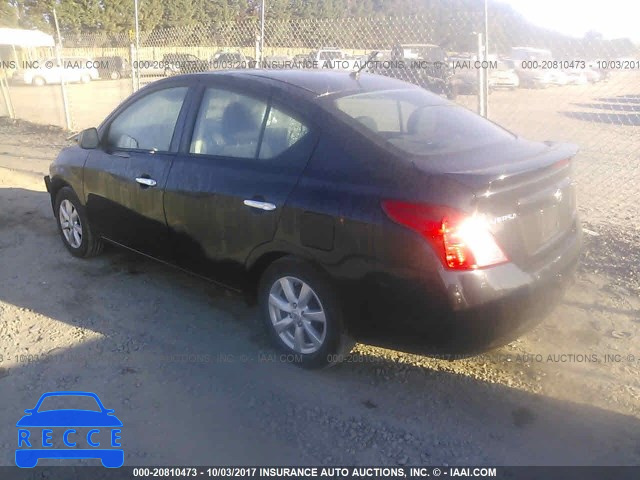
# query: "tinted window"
{"type": "Point", "coordinates": [148, 123]}
{"type": "Point", "coordinates": [416, 123]}
{"type": "Point", "coordinates": [281, 133]}
{"type": "Point", "coordinates": [66, 402]}
{"type": "Point", "coordinates": [228, 124]}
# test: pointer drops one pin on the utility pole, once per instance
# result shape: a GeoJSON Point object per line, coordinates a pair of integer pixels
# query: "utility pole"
{"type": "Point", "coordinates": [135, 6]}
{"type": "Point", "coordinates": [486, 57]}
{"type": "Point", "coordinates": [61, 66]}
{"type": "Point", "coordinates": [262, 31]}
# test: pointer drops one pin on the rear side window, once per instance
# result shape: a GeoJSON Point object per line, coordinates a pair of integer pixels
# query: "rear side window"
{"type": "Point", "coordinates": [148, 123]}
{"type": "Point", "coordinates": [228, 124]}
{"type": "Point", "coordinates": [416, 123]}
{"type": "Point", "coordinates": [281, 133]}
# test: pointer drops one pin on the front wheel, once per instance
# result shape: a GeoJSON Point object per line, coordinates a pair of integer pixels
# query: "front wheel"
{"type": "Point", "coordinates": [303, 314]}
{"type": "Point", "coordinates": [73, 225]}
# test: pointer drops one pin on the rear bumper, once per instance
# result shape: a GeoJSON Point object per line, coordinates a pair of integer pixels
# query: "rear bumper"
{"type": "Point", "coordinates": [466, 312]}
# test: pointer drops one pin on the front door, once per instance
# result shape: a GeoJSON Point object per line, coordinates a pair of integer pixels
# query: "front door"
{"type": "Point", "coordinates": [125, 178]}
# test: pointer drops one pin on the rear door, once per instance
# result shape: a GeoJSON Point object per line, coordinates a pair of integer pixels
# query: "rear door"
{"type": "Point", "coordinates": [124, 179]}
{"type": "Point", "coordinates": [229, 183]}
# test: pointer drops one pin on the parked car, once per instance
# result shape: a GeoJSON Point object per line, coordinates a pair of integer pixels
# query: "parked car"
{"type": "Point", "coordinates": [277, 61]}
{"type": "Point", "coordinates": [593, 75]}
{"type": "Point", "coordinates": [505, 76]}
{"type": "Point", "coordinates": [230, 60]}
{"type": "Point", "coordinates": [425, 65]}
{"type": "Point", "coordinates": [49, 71]}
{"type": "Point", "coordinates": [557, 77]}
{"type": "Point", "coordinates": [465, 82]}
{"type": "Point", "coordinates": [175, 63]}
{"type": "Point", "coordinates": [350, 207]}
{"type": "Point", "coordinates": [576, 76]}
{"type": "Point", "coordinates": [302, 57]}
{"type": "Point", "coordinates": [535, 78]}
{"type": "Point", "coordinates": [113, 67]}
{"type": "Point", "coordinates": [332, 58]}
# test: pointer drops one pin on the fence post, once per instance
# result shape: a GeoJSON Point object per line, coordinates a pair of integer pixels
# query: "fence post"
{"type": "Point", "coordinates": [262, 32]}
{"type": "Point", "coordinates": [135, 4]}
{"type": "Point", "coordinates": [4, 86]}
{"type": "Point", "coordinates": [134, 67]}
{"type": "Point", "coordinates": [486, 57]}
{"type": "Point", "coordinates": [65, 104]}
{"type": "Point", "coordinates": [481, 81]}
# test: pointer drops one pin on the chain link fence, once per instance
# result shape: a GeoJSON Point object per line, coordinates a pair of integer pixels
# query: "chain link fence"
{"type": "Point", "coordinates": [542, 85]}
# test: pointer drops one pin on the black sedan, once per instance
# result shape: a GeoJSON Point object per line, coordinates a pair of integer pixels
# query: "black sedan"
{"type": "Point", "coordinates": [351, 207]}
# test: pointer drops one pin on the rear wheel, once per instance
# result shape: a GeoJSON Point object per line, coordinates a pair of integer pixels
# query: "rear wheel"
{"type": "Point", "coordinates": [39, 81]}
{"type": "Point", "coordinates": [74, 226]}
{"type": "Point", "coordinates": [115, 75]}
{"type": "Point", "coordinates": [302, 313]}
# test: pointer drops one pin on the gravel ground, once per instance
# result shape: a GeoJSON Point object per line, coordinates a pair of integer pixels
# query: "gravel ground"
{"type": "Point", "coordinates": [195, 381]}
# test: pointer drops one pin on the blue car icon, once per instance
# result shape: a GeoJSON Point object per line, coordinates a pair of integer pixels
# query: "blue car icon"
{"type": "Point", "coordinates": [32, 447]}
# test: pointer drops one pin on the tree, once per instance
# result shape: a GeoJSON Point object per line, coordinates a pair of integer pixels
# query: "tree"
{"type": "Point", "coordinates": [150, 13]}
{"type": "Point", "coordinates": [8, 14]}
{"type": "Point", "coordinates": [179, 13]}
{"type": "Point", "coordinates": [117, 16]}
{"type": "Point", "coordinates": [79, 16]}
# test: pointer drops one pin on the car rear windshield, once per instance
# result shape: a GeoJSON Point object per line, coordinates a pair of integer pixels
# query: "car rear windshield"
{"type": "Point", "coordinates": [419, 123]}
{"type": "Point", "coordinates": [66, 402]}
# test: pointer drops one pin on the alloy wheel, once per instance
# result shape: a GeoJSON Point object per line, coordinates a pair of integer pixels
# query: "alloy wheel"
{"type": "Point", "coordinates": [297, 315]}
{"type": "Point", "coordinates": [70, 224]}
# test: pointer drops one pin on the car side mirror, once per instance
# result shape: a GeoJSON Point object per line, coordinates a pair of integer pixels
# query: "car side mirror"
{"type": "Point", "coordinates": [89, 138]}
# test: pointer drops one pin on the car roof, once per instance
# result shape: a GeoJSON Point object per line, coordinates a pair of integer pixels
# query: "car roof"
{"type": "Point", "coordinates": [321, 82]}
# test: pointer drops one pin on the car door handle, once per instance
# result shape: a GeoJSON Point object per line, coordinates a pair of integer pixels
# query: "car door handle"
{"type": "Point", "coordinates": [147, 182]}
{"type": "Point", "coordinates": [260, 205]}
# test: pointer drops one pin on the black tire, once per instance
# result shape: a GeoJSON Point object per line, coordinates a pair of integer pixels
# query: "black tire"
{"type": "Point", "coordinates": [337, 344]}
{"type": "Point", "coordinates": [90, 245]}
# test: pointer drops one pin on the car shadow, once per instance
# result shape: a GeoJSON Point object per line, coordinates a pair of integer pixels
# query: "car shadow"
{"type": "Point", "coordinates": [608, 118]}
{"type": "Point", "coordinates": [620, 99]}
{"type": "Point", "coordinates": [194, 380]}
{"type": "Point", "coordinates": [619, 107]}
{"type": "Point", "coordinates": [620, 103]}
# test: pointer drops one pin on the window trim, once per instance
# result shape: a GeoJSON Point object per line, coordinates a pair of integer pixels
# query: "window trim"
{"type": "Point", "coordinates": [190, 129]}
{"type": "Point", "coordinates": [105, 128]}
{"type": "Point", "coordinates": [241, 86]}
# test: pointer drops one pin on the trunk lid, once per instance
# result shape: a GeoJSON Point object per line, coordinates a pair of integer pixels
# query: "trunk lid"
{"type": "Point", "coordinates": [527, 192]}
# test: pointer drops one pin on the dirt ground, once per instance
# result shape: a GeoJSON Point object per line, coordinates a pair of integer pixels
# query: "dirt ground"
{"type": "Point", "coordinates": [195, 382]}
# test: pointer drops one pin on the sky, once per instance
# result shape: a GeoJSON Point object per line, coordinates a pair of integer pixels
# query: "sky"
{"type": "Point", "coordinates": [612, 18]}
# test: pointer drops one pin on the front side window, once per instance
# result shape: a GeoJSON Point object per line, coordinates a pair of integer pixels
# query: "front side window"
{"type": "Point", "coordinates": [228, 124]}
{"type": "Point", "coordinates": [149, 123]}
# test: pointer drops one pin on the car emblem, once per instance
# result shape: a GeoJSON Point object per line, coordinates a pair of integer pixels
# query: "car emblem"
{"type": "Point", "coordinates": [558, 195]}
{"type": "Point", "coordinates": [100, 441]}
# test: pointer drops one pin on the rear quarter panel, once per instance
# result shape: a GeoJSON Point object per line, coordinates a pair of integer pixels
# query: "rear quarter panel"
{"type": "Point", "coordinates": [334, 218]}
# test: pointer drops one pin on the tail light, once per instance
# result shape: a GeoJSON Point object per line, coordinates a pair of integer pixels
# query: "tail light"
{"type": "Point", "coordinates": [461, 241]}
